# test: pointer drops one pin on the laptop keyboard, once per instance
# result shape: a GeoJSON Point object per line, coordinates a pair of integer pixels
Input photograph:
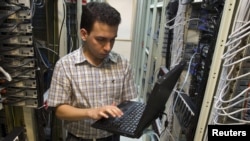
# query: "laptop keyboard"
{"type": "Point", "coordinates": [129, 121]}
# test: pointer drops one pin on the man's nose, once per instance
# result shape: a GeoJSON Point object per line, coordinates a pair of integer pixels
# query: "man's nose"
{"type": "Point", "coordinates": [108, 46]}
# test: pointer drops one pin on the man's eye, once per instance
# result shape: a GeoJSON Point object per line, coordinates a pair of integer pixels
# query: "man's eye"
{"type": "Point", "coordinates": [105, 40]}
{"type": "Point", "coordinates": [100, 39]}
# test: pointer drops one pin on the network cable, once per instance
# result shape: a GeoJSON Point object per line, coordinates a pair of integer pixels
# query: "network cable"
{"type": "Point", "coordinates": [6, 74]}
{"type": "Point", "coordinates": [227, 102]}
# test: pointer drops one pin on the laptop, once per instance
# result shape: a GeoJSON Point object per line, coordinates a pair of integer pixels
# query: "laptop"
{"type": "Point", "coordinates": [137, 115]}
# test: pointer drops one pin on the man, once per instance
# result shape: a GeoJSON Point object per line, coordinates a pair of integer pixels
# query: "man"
{"type": "Point", "coordinates": [88, 83]}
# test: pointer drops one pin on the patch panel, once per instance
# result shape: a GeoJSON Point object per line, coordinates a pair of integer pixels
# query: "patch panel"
{"type": "Point", "coordinates": [15, 62]}
{"type": "Point", "coordinates": [185, 109]}
{"type": "Point", "coordinates": [22, 72]}
{"type": "Point", "coordinates": [17, 51]}
{"type": "Point", "coordinates": [18, 40]}
{"type": "Point", "coordinates": [23, 83]}
{"type": "Point", "coordinates": [21, 92]}
{"type": "Point", "coordinates": [16, 27]}
{"type": "Point", "coordinates": [26, 102]}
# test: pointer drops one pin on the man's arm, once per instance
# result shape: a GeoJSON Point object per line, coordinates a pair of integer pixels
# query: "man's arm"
{"type": "Point", "coordinates": [67, 112]}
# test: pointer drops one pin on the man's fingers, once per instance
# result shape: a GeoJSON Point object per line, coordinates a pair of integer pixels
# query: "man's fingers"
{"type": "Point", "coordinates": [110, 111]}
{"type": "Point", "coordinates": [103, 114]}
{"type": "Point", "coordinates": [115, 112]}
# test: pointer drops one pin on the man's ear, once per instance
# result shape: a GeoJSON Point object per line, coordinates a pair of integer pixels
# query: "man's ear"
{"type": "Point", "coordinates": [84, 34]}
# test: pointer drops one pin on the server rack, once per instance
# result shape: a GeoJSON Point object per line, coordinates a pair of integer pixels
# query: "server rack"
{"type": "Point", "coordinates": [28, 50]}
{"type": "Point", "coordinates": [186, 33]}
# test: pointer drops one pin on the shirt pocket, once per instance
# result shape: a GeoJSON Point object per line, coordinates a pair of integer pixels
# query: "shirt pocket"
{"type": "Point", "coordinates": [113, 87]}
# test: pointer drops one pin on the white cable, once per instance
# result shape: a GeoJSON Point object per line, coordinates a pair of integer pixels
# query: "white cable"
{"type": "Point", "coordinates": [234, 51]}
{"type": "Point", "coordinates": [239, 31]}
{"type": "Point", "coordinates": [233, 104]}
{"type": "Point", "coordinates": [232, 113]}
{"type": "Point", "coordinates": [178, 14]}
{"type": "Point", "coordinates": [170, 134]}
{"type": "Point", "coordinates": [6, 74]}
{"type": "Point", "coordinates": [226, 104]}
{"type": "Point", "coordinates": [219, 123]}
{"type": "Point", "coordinates": [181, 23]}
{"type": "Point", "coordinates": [151, 132]}
{"type": "Point", "coordinates": [178, 35]}
{"type": "Point", "coordinates": [237, 39]}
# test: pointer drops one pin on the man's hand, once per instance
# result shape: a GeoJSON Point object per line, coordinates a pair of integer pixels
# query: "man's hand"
{"type": "Point", "coordinates": [105, 112]}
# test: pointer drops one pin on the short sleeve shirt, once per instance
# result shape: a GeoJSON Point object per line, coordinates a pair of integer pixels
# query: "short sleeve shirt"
{"type": "Point", "coordinates": [80, 84]}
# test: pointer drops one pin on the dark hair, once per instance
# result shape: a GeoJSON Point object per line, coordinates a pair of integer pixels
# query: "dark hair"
{"type": "Point", "coordinates": [101, 12]}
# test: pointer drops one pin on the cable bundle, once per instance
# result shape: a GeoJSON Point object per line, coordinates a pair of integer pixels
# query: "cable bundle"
{"type": "Point", "coordinates": [232, 96]}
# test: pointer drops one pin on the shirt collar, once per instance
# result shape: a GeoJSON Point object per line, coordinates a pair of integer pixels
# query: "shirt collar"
{"type": "Point", "coordinates": [113, 57]}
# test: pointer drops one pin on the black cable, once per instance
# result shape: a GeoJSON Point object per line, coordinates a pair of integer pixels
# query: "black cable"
{"type": "Point", "coordinates": [10, 94]}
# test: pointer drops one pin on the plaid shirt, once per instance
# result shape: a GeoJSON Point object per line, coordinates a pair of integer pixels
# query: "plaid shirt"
{"type": "Point", "coordinates": [78, 83]}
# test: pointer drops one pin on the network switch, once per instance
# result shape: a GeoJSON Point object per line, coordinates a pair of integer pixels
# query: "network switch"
{"type": "Point", "coordinates": [27, 102]}
{"type": "Point", "coordinates": [22, 92]}
{"type": "Point", "coordinates": [17, 51]}
{"type": "Point", "coordinates": [18, 40]}
{"type": "Point", "coordinates": [16, 27]}
{"type": "Point", "coordinates": [15, 62]}
{"type": "Point", "coordinates": [23, 83]}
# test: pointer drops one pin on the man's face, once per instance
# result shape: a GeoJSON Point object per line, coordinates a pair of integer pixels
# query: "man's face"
{"type": "Point", "coordinates": [99, 42]}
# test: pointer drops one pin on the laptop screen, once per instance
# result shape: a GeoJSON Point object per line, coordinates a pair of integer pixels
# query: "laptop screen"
{"type": "Point", "coordinates": [161, 92]}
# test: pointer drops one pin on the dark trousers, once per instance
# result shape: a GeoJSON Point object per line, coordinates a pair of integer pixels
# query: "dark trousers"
{"type": "Point", "coordinates": [72, 137]}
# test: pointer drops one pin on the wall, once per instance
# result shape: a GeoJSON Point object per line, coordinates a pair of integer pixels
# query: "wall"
{"type": "Point", "coordinates": [124, 38]}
